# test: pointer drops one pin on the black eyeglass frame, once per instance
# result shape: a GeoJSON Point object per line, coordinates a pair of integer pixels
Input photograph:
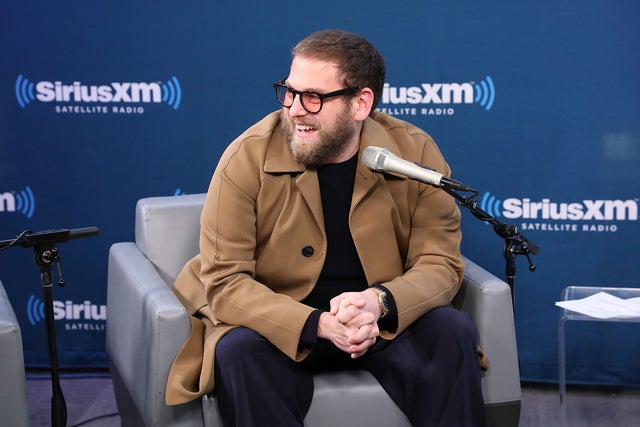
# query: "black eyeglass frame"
{"type": "Point", "coordinates": [320, 96]}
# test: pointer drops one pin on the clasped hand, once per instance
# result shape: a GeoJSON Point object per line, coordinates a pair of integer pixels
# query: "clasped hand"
{"type": "Point", "coordinates": [352, 322]}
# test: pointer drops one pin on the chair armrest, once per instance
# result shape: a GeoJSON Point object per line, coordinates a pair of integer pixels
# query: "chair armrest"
{"type": "Point", "coordinates": [13, 392]}
{"type": "Point", "coordinates": [487, 299]}
{"type": "Point", "coordinates": [146, 326]}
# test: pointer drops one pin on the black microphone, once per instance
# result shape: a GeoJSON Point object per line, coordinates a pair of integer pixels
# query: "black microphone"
{"type": "Point", "coordinates": [382, 160]}
{"type": "Point", "coordinates": [28, 239]}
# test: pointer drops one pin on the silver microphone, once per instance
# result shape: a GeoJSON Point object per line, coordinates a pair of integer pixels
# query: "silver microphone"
{"type": "Point", "coordinates": [382, 160]}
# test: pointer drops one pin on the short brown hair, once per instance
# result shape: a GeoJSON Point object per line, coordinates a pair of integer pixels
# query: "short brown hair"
{"type": "Point", "coordinates": [358, 60]}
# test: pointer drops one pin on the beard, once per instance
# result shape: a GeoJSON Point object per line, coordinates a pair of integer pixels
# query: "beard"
{"type": "Point", "coordinates": [325, 146]}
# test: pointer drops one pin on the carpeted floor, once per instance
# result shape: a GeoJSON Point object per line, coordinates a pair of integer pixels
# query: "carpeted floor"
{"type": "Point", "coordinates": [88, 398]}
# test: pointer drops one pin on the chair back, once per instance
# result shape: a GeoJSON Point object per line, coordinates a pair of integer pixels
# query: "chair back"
{"type": "Point", "coordinates": [167, 231]}
{"type": "Point", "coordinates": [13, 388]}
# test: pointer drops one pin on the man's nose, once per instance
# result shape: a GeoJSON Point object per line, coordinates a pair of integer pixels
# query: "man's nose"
{"type": "Point", "coordinates": [296, 108]}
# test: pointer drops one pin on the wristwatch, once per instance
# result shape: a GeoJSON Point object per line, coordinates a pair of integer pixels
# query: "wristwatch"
{"type": "Point", "coordinates": [382, 301]}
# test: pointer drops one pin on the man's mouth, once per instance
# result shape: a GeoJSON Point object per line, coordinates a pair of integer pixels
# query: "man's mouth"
{"type": "Point", "coordinates": [304, 129]}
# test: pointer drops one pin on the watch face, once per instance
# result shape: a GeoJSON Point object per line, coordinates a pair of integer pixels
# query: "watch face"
{"type": "Point", "coordinates": [382, 302]}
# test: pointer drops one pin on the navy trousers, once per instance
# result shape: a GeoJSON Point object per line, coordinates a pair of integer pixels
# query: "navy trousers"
{"type": "Point", "coordinates": [430, 371]}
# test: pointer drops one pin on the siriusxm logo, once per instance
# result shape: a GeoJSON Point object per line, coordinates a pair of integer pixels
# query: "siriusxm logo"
{"type": "Point", "coordinates": [18, 201]}
{"type": "Point", "coordinates": [441, 94]}
{"type": "Point", "coordinates": [65, 310]}
{"type": "Point", "coordinates": [587, 210]}
{"type": "Point", "coordinates": [168, 92]}
{"type": "Point", "coordinates": [548, 210]}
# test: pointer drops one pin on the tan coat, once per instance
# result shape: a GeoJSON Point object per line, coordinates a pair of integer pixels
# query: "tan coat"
{"type": "Point", "coordinates": [263, 208]}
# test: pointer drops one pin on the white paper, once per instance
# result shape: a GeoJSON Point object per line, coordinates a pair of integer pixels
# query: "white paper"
{"type": "Point", "coordinates": [604, 306]}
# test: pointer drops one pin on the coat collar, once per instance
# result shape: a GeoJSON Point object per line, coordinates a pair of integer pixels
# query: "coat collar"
{"type": "Point", "coordinates": [279, 160]}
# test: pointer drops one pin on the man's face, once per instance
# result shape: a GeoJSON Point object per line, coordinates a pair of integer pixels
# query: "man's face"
{"type": "Point", "coordinates": [329, 135]}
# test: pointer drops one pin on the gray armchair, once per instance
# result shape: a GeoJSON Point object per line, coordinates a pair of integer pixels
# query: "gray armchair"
{"type": "Point", "coordinates": [146, 326]}
{"type": "Point", "coordinates": [13, 387]}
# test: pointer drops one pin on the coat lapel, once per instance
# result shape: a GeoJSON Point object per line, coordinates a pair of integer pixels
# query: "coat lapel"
{"type": "Point", "coordinates": [366, 179]}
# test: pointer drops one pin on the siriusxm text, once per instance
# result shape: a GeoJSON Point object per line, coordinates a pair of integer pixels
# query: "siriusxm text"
{"type": "Point", "coordinates": [587, 210]}
{"type": "Point", "coordinates": [85, 311]}
{"type": "Point", "coordinates": [115, 92]}
{"type": "Point", "coordinates": [426, 93]}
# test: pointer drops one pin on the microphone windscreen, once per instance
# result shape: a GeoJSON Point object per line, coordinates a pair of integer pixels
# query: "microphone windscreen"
{"type": "Point", "coordinates": [373, 158]}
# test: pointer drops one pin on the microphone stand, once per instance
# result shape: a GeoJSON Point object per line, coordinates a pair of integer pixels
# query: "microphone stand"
{"type": "Point", "coordinates": [515, 243]}
{"type": "Point", "coordinates": [45, 254]}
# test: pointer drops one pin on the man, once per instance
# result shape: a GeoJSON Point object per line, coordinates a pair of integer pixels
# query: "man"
{"type": "Point", "coordinates": [310, 261]}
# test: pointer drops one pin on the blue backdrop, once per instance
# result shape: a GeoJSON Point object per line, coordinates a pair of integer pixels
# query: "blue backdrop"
{"type": "Point", "coordinates": [534, 104]}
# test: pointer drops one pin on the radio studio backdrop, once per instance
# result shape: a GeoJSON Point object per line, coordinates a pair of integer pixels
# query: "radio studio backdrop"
{"type": "Point", "coordinates": [535, 104]}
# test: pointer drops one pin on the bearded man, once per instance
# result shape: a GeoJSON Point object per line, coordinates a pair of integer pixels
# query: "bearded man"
{"type": "Point", "coordinates": [312, 262]}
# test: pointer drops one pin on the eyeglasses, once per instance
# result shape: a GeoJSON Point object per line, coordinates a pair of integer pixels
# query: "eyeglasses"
{"type": "Point", "coordinates": [311, 101]}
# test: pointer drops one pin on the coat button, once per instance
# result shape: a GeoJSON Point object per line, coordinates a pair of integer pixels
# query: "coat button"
{"type": "Point", "coordinates": [307, 251]}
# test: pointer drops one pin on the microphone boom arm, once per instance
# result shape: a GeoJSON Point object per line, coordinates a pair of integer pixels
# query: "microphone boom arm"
{"type": "Point", "coordinates": [382, 160]}
{"type": "Point", "coordinates": [515, 242]}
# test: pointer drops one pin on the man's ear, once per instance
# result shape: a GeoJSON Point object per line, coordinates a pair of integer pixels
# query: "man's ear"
{"type": "Point", "coordinates": [363, 102]}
